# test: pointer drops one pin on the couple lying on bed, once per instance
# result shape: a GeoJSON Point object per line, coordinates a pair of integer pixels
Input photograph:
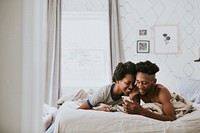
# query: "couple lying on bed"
{"type": "Point", "coordinates": [137, 81]}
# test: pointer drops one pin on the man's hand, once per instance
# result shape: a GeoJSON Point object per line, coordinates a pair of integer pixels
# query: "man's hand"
{"type": "Point", "coordinates": [133, 107]}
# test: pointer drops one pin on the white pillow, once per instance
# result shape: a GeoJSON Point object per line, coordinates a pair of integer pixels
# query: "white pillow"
{"type": "Point", "coordinates": [48, 115]}
{"type": "Point", "coordinates": [189, 89]}
{"type": "Point", "coordinates": [80, 94]}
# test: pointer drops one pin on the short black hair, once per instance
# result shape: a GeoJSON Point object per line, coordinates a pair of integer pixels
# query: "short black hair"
{"type": "Point", "coordinates": [147, 67]}
{"type": "Point", "coordinates": [122, 69]}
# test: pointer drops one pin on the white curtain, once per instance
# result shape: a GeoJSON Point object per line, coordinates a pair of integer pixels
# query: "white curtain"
{"type": "Point", "coordinates": [53, 52]}
{"type": "Point", "coordinates": [117, 50]}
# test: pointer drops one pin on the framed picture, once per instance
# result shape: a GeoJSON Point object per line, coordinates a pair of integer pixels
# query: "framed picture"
{"type": "Point", "coordinates": [143, 46]}
{"type": "Point", "coordinates": [166, 39]}
{"type": "Point", "coordinates": [143, 32]}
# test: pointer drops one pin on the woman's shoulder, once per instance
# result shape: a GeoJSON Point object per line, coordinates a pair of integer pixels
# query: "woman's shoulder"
{"type": "Point", "coordinates": [107, 87]}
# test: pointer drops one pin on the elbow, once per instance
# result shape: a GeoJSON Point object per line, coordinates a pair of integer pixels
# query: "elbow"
{"type": "Point", "coordinates": [168, 119]}
{"type": "Point", "coordinates": [172, 118]}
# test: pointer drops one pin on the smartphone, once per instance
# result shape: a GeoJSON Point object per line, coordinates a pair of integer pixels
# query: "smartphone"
{"type": "Point", "coordinates": [126, 98]}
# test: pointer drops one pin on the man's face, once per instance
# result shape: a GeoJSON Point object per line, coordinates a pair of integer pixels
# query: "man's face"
{"type": "Point", "coordinates": [144, 82]}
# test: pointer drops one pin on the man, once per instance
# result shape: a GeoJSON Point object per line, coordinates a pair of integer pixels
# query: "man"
{"type": "Point", "coordinates": [150, 92]}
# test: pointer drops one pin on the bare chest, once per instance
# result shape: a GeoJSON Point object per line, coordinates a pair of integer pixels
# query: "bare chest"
{"type": "Point", "coordinates": [149, 99]}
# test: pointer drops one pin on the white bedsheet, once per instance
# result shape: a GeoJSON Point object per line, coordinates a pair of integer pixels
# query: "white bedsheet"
{"type": "Point", "coordinates": [48, 115]}
{"type": "Point", "coordinates": [71, 120]}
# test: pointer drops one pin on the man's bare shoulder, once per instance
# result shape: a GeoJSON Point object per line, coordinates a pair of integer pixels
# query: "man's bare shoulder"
{"type": "Point", "coordinates": [162, 88]}
{"type": "Point", "coordinates": [163, 92]}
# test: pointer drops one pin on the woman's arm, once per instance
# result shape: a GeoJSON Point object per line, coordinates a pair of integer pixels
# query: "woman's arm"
{"type": "Point", "coordinates": [134, 95]}
{"type": "Point", "coordinates": [85, 105]}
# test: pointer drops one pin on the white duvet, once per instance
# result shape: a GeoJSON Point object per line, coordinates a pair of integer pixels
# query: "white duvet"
{"type": "Point", "coordinates": [72, 120]}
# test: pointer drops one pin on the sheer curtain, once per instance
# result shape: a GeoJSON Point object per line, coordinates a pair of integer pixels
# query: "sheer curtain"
{"type": "Point", "coordinates": [53, 52]}
{"type": "Point", "coordinates": [52, 91]}
{"type": "Point", "coordinates": [117, 50]}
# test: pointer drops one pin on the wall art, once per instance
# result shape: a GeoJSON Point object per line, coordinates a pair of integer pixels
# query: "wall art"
{"type": "Point", "coordinates": [166, 39]}
{"type": "Point", "coordinates": [143, 46]}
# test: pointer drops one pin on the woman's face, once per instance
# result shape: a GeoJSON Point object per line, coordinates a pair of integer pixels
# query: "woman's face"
{"type": "Point", "coordinates": [126, 84]}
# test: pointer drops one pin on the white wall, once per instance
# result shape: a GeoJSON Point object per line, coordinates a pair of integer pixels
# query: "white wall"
{"type": "Point", "coordinates": [144, 14]}
{"type": "Point", "coordinates": [10, 65]}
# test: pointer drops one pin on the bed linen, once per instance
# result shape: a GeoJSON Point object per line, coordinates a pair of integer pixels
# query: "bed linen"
{"type": "Point", "coordinates": [69, 119]}
{"type": "Point", "coordinates": [181, 106]}
{"type": "Point", "coordinates": [48, 115]}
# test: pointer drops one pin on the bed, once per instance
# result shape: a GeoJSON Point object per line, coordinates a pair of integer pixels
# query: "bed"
{"type": "Point", "coordinates": [69, 119]}
{"type": "Point", "coordinates": [48, 117]}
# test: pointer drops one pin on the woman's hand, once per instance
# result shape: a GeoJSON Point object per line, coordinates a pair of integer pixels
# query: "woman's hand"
{"type": "Point", "coordinates": [105, 108]}
{"type": "Point", "coordinates": [134, 94]}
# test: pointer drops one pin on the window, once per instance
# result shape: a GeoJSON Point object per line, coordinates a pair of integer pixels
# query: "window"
{"type": "Point", "coordinates": [85, 51]}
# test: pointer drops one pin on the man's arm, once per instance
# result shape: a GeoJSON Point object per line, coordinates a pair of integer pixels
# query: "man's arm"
{"type": "Point", "coordinates": [167, 108]}
{"type": "Point", "coordinates": [135, 108]}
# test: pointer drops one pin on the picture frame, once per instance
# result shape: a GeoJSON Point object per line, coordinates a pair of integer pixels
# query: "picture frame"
{"type": "Point", "coordinates": [166, 39]}
{"type": "Point", "coordinates": [143, 46]}
{"type": "Point", "coordinates": [142, 32]}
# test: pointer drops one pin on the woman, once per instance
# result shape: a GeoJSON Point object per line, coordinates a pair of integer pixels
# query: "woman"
{"type": "Point", "coordinates": [123, 81]}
